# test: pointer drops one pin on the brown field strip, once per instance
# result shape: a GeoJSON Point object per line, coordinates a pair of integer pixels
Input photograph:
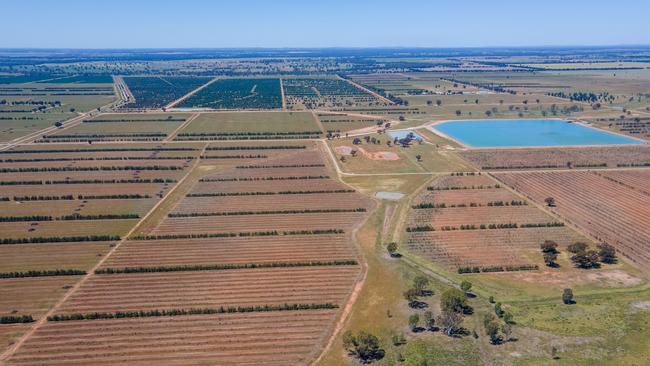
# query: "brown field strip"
{"type": "Point", "coordinates": [463, 236]}
{"type": "Point", "coordinates": [606, 210]}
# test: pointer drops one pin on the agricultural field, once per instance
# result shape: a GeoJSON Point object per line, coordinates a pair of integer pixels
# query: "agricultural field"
{"type": "Point", "coordinates": [158, 91]}
{"type": "Point", "coordinates": [470, 220]}
{"type": "Point", "coordinates": [325, 93]}
{"type": "Point", "coordinates": [546, 158]}
{"type": "Point", "coordinates": [336, 123]}
{"type": "Point", "coordinates": [237, 94]}
{"type": "Point", "coordinates": [27, 108]}
{"type": "Point", "coordinates": [586, 200]}
{"type": "Point", "coordinates": [277, 279]}
{"type": "Point", "coordinates": [251, 126]}
{"type": "Point", "coordinates": [64, 207]}
{"type": "Point", "coordinates": [121, 127]}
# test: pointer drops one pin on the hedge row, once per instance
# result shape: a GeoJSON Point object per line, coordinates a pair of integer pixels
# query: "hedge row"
{"type": "Point", "coordinates": [86, 181]}
{"type": "Point", "coordinates": [224, 194]}
{"type": "Point", "coordinates": [240, 234]}
{"type": "Point", "coordinates": [227, 266]}
{"type": "Point", "coordinates": [13, 319]}
{"type": "Point", "coordinates": [50, 151]}
{"type": "Point", "coordinates": [304, 177]}
{"type": "Point", "coordinates": [108, 135]}
{"type": "Point", "coordinates": [243, 137]}
{"type": "Point", "coordinates": [235, 157]}
{"type": "Point", "coordinates": [79, 197]}
{"type": "Point", "coordinates": [270, 212]}
{"type": "Point", "coordinates": [181, 312]}
{"type": "Point", "coordinates": [135, 120]}
{"type": "Point", "coordinates": [280, 166]}
{"type": "Point", "coordinates": [46, 273]}
{"type": "Point", "coordinates": [225, 134]}
{"type": "Point", "coordinates": [88, 168]}
{"type": "Point", "coordinates": [77, 216]}
{"type": "Point", "coordinates": [108, 158]}
{"type": "Point", "coordinates": [275, 147]}
{"type": "Point", "coordinates": [512, 268]}
{"type": "Point", "coordinates": [415, 229]}
{"type": "Point", "coordinates": [462, 188]}
{"type": "Point", "coordinates": [59, 239]}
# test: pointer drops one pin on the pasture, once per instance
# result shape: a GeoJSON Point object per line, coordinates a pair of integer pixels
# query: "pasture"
{"type": "Point", "coordinates": [250, 126]}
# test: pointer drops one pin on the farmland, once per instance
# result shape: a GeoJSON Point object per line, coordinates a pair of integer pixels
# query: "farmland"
{"type": "Point", "coordinates": [27, 108]}
{"type": "Point", "coordinates": [452, 218]}
{"type": "Point", "coordinates": [583, 199]}
{"type": "Point", "coordinates": [237, 94]}
{"type": "Point", "coordinates": [586, 157]}
{"type": "Point", "coordinates": [206, 257]}
{"type": "Point", "coordinates": [250, 126]}
{"type": "Point", "coordinates": [157, 92]}
{"type": "Point", "coordinates": [206, 206]}
{"type": "Point", "coordinates": [323, 93]}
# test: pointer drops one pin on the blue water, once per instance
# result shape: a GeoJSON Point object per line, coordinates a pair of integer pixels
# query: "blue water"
{"type": "Point", "coordinates": [400, 134]}
{"type": "Point", "coordinates": [522, 132]}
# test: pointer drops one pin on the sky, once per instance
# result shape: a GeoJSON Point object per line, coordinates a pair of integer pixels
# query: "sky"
{"type": "Point", "coordinates": [309, 23]}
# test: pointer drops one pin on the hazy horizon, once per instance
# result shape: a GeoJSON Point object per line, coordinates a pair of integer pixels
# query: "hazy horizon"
{"type": "Point", "coordinates": [75, 24]}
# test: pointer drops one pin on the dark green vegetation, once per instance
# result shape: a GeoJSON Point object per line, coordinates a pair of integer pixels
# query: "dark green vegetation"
{"type": "Point", "coordinates": [237, 94]}
{"type": "Point", "coordinates": [157, 92]}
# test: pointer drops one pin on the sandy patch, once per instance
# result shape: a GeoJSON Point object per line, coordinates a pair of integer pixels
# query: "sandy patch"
{"type": "Point", "coordinates": [640, 305]}
{"type": "Point", "coordinates": [380, 155]}
{"type": "Point", "coordinates": [614, 278]}
{"type": "Point", "coordinates": [343, 150]}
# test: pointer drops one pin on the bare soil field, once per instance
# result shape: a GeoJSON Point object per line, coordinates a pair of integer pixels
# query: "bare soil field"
{"type": "Point", "coordinates": [273, 338]}
{"type": "Point", "coordinates": [471, 220]}
{"type": "Point", "coordinates": [622, 156]}
{"type": "Point", "coordinates": [609, 211]}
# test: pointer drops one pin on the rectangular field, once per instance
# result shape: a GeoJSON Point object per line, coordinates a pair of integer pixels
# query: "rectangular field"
{"type": "Point", "coordinates": [237, 94]}
{"type": "Point", "coordinates": [158, 91]}
{"type": "Point", "coordinates": [611, 207]}
{"type": "Point", "coordinates": [250, 126]}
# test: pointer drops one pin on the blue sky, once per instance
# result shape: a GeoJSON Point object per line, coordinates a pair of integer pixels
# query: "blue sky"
{"type": "Point", "coordinates": [308, 23]}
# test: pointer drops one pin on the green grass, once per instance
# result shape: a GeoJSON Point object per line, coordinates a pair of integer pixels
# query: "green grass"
{"type": "Point", "coordinates": [253, 122]}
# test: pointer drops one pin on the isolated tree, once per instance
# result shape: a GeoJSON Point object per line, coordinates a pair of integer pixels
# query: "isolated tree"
{"type": "Point", "coordinates": [466, 286]}
{"type": "Point", "coordinates": [492, 328]}
{"type": "Point", "coordinates": [392, 248]}
{"type": "Point", "coordinates": [607, 253]}
{"type": "Point", "coordinates": [586, 259]}
{"type": "Point", "coordinates": [418, 157]}
{"type": "Point", "coordinates": [488, 113]}
{"type": "Point", "coordinates": [429, 102]}
{"type": "Point", "coordinates": [411, 296]}
{"type": "Point", "coordinates": [548, 246]}
{"type": "Point", "coordinates": [498, 310]}
{"type": "Point", "coordinates": [507, 331]}
{"type": "Point", "coordinates": [567, 296]}
{"type": "Point", "coordinates": [353, 153]}
{"type": "Point", "coordinates": [459, 112]}
{"type": "Point", "coordinates": [402, 118]}
{"type": "Point", "coordinates": [577, 247]}
{"type": "Point", "coordinates": [550, 201]}
{"type": "Point", "coordinates": [364, 346]}
{"type": "Point", "coordinates": [420, 285]}
{"type": "Point", "coordinates": [414, 321]}
{"type": "Point", "coordinates": [438, 102]}
{"type": "Point", "coordinates": [454, 300]}
{"type": "Point", "coordinates": [449, 321]}
{"type": "Point", "coordinates": [429, 320]}
{"type": "Point", "coordinates": [58, 124]}
{"type": "Point", "coordinates": [550, 259]}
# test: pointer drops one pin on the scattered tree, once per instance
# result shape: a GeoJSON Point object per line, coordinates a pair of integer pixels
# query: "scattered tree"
{"type": "Point", "coordinates": [392, 248]}
{"type": "Point", "coordinates": [466, 286]}
{"type": "Point", "coordinates": [607, 253]}
{"type": "Point", "coordinates": [364, 346]}
{"type": "Point", "coordinates": [567, 296]}
{"type": "Point", "coordinates": [414, 321]}
{"type": "Point", "coordinates": [429, 320]}
{"type": "Point", "coordinates": [550, 201]}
